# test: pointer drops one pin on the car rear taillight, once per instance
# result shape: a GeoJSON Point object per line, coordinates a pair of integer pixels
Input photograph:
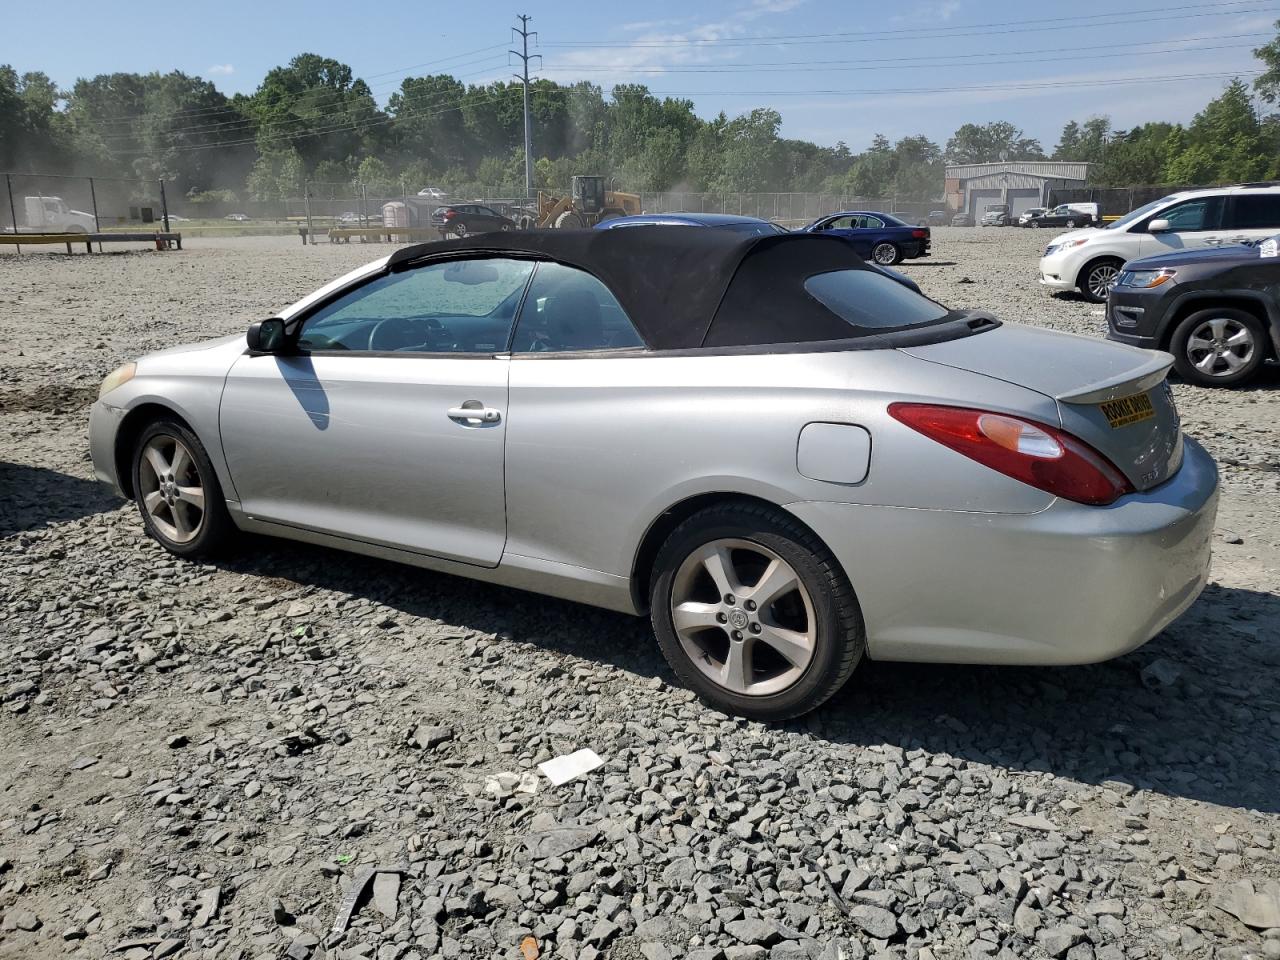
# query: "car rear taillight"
{"type": "Point", "coordinates": [919, 234]}
{"type": "Point", "coordinates": [1037, 454]}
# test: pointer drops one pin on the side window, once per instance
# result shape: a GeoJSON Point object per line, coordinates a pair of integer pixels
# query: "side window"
{"type": "Point", "coordinates": [568, 309]}
{"type": "Point", "coordinates": [458, 306]}
{"type": "Point", "coordinates": [875, 223]}
{"type": "Point", "coordinates": [1201, 214]}
{"type": "Point", "coordinates": [841, 223]}
{"type": "Point", "coordinates": [1255, 211]}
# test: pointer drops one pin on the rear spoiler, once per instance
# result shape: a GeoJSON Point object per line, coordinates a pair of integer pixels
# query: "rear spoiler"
{"type": "Point", "coordinates": [1138, 379]}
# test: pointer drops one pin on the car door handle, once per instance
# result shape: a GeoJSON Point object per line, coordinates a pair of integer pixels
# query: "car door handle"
{"type": "Point", "coordinates": [472, 413]}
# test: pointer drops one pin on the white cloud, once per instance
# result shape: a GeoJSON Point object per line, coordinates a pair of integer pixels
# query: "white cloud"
{"type": "Point", "coordinates": [221, 70]}
{"type": "Point", "coordinates": [654, 48]}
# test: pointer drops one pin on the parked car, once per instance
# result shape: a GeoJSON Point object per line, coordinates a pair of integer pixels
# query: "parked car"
{"type": "Point", "coordinates": [936, 218]}
{"type": "Point", "coordinates": [1217, 309]}
{"type": "Point", "coordinates": [784, 458]}
{"type": "Point", "coordinates": [433, 193]}
{"type": "Point", "coordinates": [749, 226]}
{"type": "Point", "coordinates": [1032, 213]}
{"type": "Point", "coordinates": [962, 220]}
{"type": "Point", "coordinates": [879, 237]}
{"type": "Point", "coordinates": [1090, 260]}
{"type": "Point", "coordinates": [996, 216]}
{"type": "Point", "coordinates": [1067, 215]}
{"type": "Point", "coordinates": [238, 217]}
{"type": "Point", "coordinates": [462, 219]}
{"type": "Point", "coordinates": [349, 217]}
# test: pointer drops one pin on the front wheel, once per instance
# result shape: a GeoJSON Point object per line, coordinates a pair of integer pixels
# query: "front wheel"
{"type": "Point", "coordinates": [1218, 347]}
{"type": "Point", "coordinates": [1098, 278]}
{"type": "Point", "coordinates": [886, 254]}
{"type": "Point", "coordinates": [459, 230]}
{"type": "Point", "coordinates": [177, 491]}
{"type": "Point", "coordinates": [753, 613]}
{"type": "Point", "coordinates": [1033, 225]}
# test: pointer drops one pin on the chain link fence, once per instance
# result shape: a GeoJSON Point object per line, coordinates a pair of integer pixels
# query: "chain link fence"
{"type": "Point", "coordinates": [40, 203]}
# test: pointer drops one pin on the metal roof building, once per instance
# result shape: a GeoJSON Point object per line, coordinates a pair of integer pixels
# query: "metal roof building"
{"type": "Point", "coordinates": [1022, 184]}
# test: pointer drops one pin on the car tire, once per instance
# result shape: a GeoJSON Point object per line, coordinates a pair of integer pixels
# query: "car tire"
{"type": "Point", "coordinates": [886, 254]}
{"type": "Point", "coordinates": [1204, 352]}
{"type": "Point", "coordinates": [508, 227]}
{"type": "Point", "coordinates": [1097, 278]}
{"type": "Point", "coordinates": [569, 221]}
{"type": "Point", "coordinates": [1033, 225]}
{"type": "Point", "coordinates": [168, 514]}
{"type": "Point", "coordinates": [458, 230]}
{"type": "Point", "coordinates": [813, 601]}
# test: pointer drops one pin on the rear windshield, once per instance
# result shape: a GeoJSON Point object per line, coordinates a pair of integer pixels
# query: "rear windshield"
{"type": "Point", "coordinates": [871, 301]}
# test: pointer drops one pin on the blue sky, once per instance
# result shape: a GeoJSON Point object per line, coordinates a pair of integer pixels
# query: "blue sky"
{"type": "Point", "coordinates": [835, 69]}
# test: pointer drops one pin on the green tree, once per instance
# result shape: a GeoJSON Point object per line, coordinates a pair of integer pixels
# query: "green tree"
{"type": "Point", "coordinates": [1224, 142]}
{"type": "Point", "coordinates": [1267, 83]}
{"type": "Point", "coordinates": [991, 142]}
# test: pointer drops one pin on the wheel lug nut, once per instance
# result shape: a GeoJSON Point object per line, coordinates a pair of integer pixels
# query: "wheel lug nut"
{"type": "Point", "coordinates": [755, 628]}
{"type": "Point", "coordinates": [722, 618]}
{"type": "Point", "coordinates": [750, 604]}
{"type": "Point", "coordinates": [728, 598]}
{"type": "Point", "coordinates": [737, 634]}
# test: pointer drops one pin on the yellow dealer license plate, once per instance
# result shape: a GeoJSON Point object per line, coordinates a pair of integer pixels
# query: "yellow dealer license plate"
{"type": "Point", "coordinates": [1126, 410]}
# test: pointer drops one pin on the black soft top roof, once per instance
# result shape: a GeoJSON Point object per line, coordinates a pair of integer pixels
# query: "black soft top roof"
{"type": "Point", "coordinates": [685, 287]}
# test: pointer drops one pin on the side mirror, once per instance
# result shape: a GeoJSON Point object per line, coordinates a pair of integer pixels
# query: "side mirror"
{"type": "Point", "coordinates": [1159, 226]}
{"type": "Point", "coordinates": [265, 336]}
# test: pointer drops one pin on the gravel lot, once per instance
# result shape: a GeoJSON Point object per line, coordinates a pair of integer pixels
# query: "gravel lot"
{"type": "Point", "coordinates": [202, 761]}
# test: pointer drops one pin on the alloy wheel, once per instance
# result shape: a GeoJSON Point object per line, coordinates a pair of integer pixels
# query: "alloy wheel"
{"type": "Point", "coordinates": [460, 230]}
{"type": "Point", "coordinates": [171, 487]}
{"type": "Point", "coordinates": [1220, 346]}
{"type": "Point", "coordinates": [743, 616]}
{"type": "Point", "coordinates": [884, 254]}
{"type": "Point", "coordinates": [1102, 278]}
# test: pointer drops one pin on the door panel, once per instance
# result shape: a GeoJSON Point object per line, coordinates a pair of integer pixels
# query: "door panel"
{"type": "Point", "coordinates": [365, 447]}
{"type": "Point", "coordinates": [1196, 224]}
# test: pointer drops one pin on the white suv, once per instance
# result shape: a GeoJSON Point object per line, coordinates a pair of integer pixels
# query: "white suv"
{"type": "Point", "coordinates": [1089, 260]}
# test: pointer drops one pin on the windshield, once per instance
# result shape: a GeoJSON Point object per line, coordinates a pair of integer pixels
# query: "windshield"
{"type": "Point", "coordinates": [872, 301]}
{"type": "Point", "coordinates": [1138, 214]}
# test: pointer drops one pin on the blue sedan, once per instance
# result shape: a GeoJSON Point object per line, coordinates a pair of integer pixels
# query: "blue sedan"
{"type": "Point", "coordinates": [748, 226]}
{"type": "Point", "coordinates": [877, 237]}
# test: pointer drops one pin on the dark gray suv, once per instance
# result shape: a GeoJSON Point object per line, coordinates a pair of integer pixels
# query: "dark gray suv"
{"type": "Point", "coordinates": [1217, 309]}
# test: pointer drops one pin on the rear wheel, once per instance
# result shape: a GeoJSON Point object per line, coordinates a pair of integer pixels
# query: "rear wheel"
{"type": "Point", "coordinates": [569, 221]}
{"type": "Point", "coordinates": [1218, 347]}
{"type": "Point", "coordinates": [177, 491]}
{"type": "Point", "coordinates": [886, 254]}
{"type": "Point", "coordinates": [753, 613]}
{"type": "Point", "coordinates": [458, 230]}
{"type": "Point", "coordinates": [1097, 279]}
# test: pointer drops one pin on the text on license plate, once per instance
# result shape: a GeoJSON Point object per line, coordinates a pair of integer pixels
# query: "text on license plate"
{"type": "Point", "coordinates": [1126, 410]}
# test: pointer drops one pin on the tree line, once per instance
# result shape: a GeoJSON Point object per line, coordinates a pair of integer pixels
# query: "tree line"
{"type": "Point", "coordinates": [312, 119]}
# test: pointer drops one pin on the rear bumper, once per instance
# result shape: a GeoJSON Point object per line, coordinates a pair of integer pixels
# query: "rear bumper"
{"type": "Point", "coordinates": [1070, 584]}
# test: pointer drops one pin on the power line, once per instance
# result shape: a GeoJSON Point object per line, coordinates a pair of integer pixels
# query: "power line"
{"type": "Point", "coordinates": [794, 66]}
{"type": "Point", "coordinates": [196, 111]}
{"type": "Point", "coordinates": [954, 89]}
{"type": "Point", "coordinates": [1037, 25]}
{"type": "Point", "coordinates": [254, 122]}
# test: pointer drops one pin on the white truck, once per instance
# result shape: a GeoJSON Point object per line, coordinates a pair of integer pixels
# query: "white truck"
{"type": "Point", "coordinates": [52, 215]}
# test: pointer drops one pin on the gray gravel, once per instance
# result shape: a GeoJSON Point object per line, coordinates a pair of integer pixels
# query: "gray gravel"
{"type": "Point", "coordinates": [236, 761]}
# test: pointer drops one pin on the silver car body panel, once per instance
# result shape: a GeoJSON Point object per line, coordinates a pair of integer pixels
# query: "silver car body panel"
{"type": "Point", "coordinates": [950, 560]}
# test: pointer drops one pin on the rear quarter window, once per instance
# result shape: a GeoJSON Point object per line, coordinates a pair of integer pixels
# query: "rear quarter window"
{"type": "Point", "coordinates": [869, 300]}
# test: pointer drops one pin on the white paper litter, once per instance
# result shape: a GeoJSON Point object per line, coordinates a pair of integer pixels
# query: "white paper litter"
{"type": "Point", "coordinates": [563, 769]}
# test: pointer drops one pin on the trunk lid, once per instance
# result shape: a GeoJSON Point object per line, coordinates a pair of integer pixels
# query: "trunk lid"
{"type": "Point", "coordinates": [1111, 396]}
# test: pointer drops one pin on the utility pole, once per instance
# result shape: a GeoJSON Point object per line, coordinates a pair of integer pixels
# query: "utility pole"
{"type": "Point", "coordinates": [523, 53]}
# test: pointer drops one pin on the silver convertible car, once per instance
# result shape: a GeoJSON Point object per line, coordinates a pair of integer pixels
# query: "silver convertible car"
{"type": "Point", "coordinates": [785, 458]}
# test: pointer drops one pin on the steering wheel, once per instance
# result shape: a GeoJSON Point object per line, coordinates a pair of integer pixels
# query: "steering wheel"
{"type": "Point", "coordinates": [404, 333]}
